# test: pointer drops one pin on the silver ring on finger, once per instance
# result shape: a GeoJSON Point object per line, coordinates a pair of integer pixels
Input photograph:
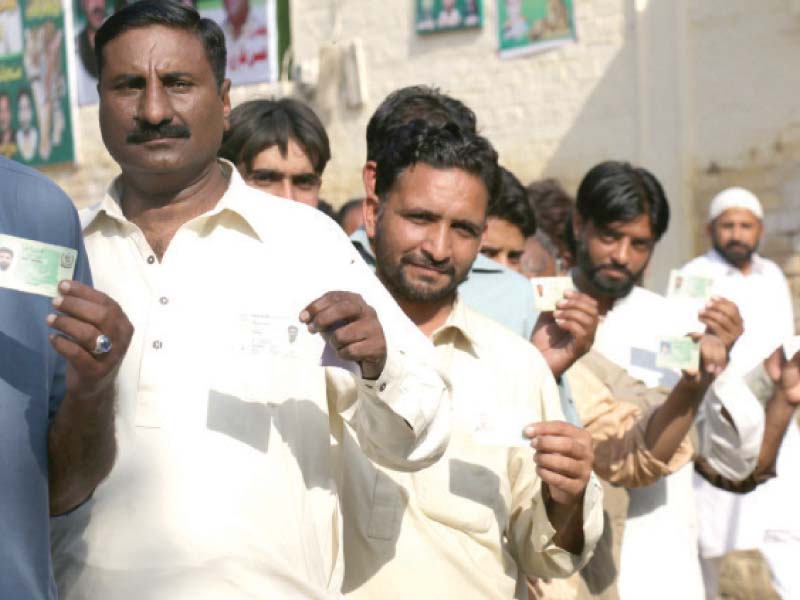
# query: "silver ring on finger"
{"type": "Point", "coordinates": [102, 345]}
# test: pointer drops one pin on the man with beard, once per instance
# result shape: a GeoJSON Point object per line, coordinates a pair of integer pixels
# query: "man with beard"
{"type": "Point", "coordinates": [234, 389]}
{"type": "Point", "coordinates": [766, 519]}
{"type": "Point", "coordinates": [621, 213]}
{"type": "Point", "coordinates": [491, 510]}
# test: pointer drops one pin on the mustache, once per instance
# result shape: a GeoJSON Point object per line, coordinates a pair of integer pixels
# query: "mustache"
{"type": "Point", "coordinates": [148, 134]}
{"type": "Point", "coordinates": [98, 12]}
{"type": "Point", "coordinates": [613, 267]}
{"type": "Point", "coordinates": [445, 268]}
{"type": "Point", "coordinates": [732, 245]}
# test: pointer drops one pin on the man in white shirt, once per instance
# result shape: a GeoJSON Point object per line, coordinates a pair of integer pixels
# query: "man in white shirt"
{"type": "Point", "coordinates": [767, 518]}
{"type": "Point", "coordinates": [621, 213]}
{"type": "Point", "coordinates": [492, 510]}
{"type": "Point", "coordinates": [227, 426]}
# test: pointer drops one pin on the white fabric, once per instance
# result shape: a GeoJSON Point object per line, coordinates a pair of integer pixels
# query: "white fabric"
{"type": "Point", "coordinates": [665, 510]}
{"type": "Point", "coordinates": [731, 521]}
{"type": "Point", "coordinates": [735, 197]}
{"type": "Point", "coordinates": [224, 484]}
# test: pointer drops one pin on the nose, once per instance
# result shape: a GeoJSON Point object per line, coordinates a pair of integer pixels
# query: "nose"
{"type": "Point", "coordinates": [155, 108]}
{"type": "Point", "coordinates": [621, 253]}
{"type": "Point", "coordinates": [287, 189]}
{"type": "Point", "coordinates": [437, 243]}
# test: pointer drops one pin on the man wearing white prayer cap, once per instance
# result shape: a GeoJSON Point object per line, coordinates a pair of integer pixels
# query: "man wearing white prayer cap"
{"type": "Point", "coordinates": [766, 519]}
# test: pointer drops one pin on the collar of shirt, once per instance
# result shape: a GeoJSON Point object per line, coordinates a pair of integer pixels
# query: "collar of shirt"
{"type": "Point", "coordinates": [457, 329]}
{"type": "Point", "coordinates": [758, 266]}
{"type": "Point", "coordinates": [236, 201]}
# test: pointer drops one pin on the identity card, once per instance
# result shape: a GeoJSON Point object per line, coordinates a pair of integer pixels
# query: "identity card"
{"type": "Point", "coordinates": [548, 291]}
{"type": "Point", "coordinates": [34, 267]}
{"type": "Point", "coordinates": [681, 353]}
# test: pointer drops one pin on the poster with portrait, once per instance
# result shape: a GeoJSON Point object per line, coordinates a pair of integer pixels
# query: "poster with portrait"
{"type": "Point", "coordinates": [87, 17]}
{"type": "Point", "coordinates": [35, 119]}
{"type": "Point", "coordinates": [445, 15]}
{"type": "Point", "coordinates": [529, 26]}
{"type": "Point", "coordinates": [250, 33]}
{"type": "Point", "coordinates": [251, 37]}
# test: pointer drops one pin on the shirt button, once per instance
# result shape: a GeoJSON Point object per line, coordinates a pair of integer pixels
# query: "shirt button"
{"type": "Point", "coordinates": [164, 300]}
{"type": "Point", "coordinates": [543, 539]}
{"type": "Point", "coordinates": [151, 259]}
{"type": "Point", "coordinates": [157, 345]}
{"type": "Point", "coordinates": [382, 387]}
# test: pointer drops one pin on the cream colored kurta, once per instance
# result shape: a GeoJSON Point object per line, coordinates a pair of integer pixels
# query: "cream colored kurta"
{"type": "Point", "coordinates": [470, 525]}
{"type": "Point", "coordinates": [224, 484]}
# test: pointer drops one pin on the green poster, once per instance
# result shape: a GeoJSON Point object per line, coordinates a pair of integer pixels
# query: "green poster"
{"type": "Point", "coordinates": [35, 119]}
{"type": "Point", "coordinates": [446, 15]}
{"type": "Point", "coordinates": [528, 26]}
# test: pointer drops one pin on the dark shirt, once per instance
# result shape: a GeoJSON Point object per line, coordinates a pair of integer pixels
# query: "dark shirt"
{"type": "Point", "coordinates": [32, 384]}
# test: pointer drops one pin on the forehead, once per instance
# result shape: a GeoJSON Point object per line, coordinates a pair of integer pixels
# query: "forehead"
{"type": "Point", "coordinates": [736, 215]}
{"type": "Point", "coordinates": [155, 47]}
{"type": "Point", "coordinates": [443, 190]}
{"type": "Point", "coordinates": [502, 232]}
{"type": "Point", "coordinates": [638, 228]}
{"type": "Point", "coordinates": [295, 161]}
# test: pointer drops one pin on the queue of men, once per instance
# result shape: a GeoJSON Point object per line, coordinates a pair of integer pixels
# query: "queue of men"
{"type": "Point", "coordinates": [242, 402]}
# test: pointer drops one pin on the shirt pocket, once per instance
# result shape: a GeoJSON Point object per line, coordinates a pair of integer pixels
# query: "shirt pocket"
{"type": "Point", "coordinates": [461, 493]}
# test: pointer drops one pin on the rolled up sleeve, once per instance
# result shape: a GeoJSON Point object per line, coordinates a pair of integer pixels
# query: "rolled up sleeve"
{"type": "Point", "coordinates": [731, 446]}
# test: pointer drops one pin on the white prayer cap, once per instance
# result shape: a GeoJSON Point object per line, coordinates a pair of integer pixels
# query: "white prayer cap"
{"type": "Point", "coordinates": [735, 197]}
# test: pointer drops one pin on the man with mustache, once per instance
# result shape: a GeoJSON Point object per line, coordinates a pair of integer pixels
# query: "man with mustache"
{"type": "Point", "coordinates": [766, 519]}
{"type": "Point", "coordinates": [241, 372]}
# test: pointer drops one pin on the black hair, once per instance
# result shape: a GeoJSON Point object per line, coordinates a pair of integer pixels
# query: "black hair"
{"type": "Point", "coordinates": [260, 124]}
{"type": "Point", "coordinates": [6, 250]}
{"type": "Point", "coordinates": [346, 208]}
{"type": "Point", "coordinates": [441, 147]}
{"type": "Point", "coordinates": [326, 209]}
{"type": "Point", "coordinates": [415, 103]}
{"type": "Point", "coordinates": [547, 195]}
{"type": "Point", "coordinates": [511, 204]}
{"type": "Point", "coordinates": [617, 191]}
{"type": "Point", "coordinates": [167, 13]}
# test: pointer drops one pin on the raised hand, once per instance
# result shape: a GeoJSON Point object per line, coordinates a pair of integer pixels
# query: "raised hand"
{"type": "Point", "coordinates": [566, 334]}
{"type": "Point", "coordinates": [95, 335]}
{"type": "Point", "coordinates": [351, 327]}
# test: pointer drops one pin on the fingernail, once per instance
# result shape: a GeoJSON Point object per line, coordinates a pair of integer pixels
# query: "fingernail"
{"type": "Point", "coordinates": [559, 322]}
{"type": "Point", "coordinates": [57, 302]}
{"type": "Point", "coordinates": [304, 316]}
{"type": "Point", "coordinates": [529, 431]}
{"type": "Point", "coordinates": [561, 303]}
{"type": "Point", "coordinates": [557, 314]}
{"type": "Point", "coordinates": [51, 319]}
{"type": "Point", "coordinates": [64, 286]}
{"type": "Point", "coordinates": [312, 328]}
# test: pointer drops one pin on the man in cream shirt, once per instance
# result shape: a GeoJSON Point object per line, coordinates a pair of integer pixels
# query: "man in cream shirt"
{"type": "Point", "coordinates": [227, 425]}
{"type": "Point", "coordinates": [491, 511]}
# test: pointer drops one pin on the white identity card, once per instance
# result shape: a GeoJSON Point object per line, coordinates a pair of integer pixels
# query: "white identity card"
{"type": "Point", "coordinates": [693, 287]}
{"type": "Point", "coordinates": [504, 427]}
{"type": "Point", "coordinates": [680, 353]}
{"type": "Point", "coordinates": [34, 267]}
{"type": "Point", "coordinates": [548, 291]}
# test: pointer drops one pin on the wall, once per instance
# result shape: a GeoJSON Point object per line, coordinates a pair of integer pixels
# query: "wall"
{"type": "Point", "coordinates": [703, 93]}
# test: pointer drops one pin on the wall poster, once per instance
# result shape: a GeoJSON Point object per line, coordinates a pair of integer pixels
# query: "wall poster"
{"type": "Point", "coordinates": [529, 26]}
{"type": "Point", "coordinates": [35, 119]}
{"type": "Point", "coordinates": [445, 15]}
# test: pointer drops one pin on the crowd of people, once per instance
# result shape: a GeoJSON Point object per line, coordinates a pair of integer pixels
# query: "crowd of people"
{"type": "Point", "coordinates": [241, 393]}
